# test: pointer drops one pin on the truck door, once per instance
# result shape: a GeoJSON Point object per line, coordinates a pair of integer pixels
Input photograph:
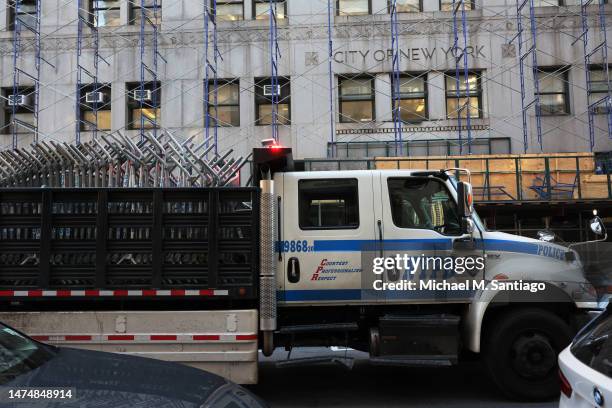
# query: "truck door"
{"type": "Point", "coordinates": [326, 222]}
{"type": "Point", "coordinates": [421, 220]}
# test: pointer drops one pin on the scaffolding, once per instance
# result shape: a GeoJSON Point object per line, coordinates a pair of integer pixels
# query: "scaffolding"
{"type": "Point", "coordinates": [23, 20]}
{"type": "Point", "coordinates": [330, 73]}
{"type": "Point", "coordinates": [395, 80]}
{"type": "Point", "coordinates": [211, 68]}
{"type": "Point", "coordinates": [531, 51]}
{"type": "Point", "coordinates": [461, 55]}
{"type": "Point", "coordinates": [275, 55]}
{"type": "Point", "coordinates": [391, 24]}
{"type": "Point", "coordinates": [150, 120]}
{"type": "Point", "coordinates": [87, 19]}
{"type": "Point", "coordinates": [590, 51]}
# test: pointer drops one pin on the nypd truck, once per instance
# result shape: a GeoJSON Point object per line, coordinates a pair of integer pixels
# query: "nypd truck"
{"type": "Point", "coordinates": [392, 262]}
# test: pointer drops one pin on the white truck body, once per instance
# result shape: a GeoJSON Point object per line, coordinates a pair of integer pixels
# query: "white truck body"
{"type": "Point", "coordinates": [335, 270]}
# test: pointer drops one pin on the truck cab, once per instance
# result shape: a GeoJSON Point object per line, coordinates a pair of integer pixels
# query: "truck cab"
{"type": "Point", "coordinates": [516, 300]}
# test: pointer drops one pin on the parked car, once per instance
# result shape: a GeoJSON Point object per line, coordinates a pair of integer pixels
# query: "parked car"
{"type": "Point", "coordinates": [586, 366]}
{"type": "Point", "coordinates": [97, 379]}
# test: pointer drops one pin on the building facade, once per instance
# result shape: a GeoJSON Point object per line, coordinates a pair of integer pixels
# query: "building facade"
{"type": "Point", "coordinates": [441, 112]}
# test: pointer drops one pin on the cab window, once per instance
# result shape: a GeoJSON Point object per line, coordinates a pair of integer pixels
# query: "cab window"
{"type": "Point", "coordinates": [423, 203]}
{"type": "Point", "coordinates": [328, 204]}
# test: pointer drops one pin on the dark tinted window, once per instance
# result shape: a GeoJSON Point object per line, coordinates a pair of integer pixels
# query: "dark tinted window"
{"type": "Point", "coordinates": [328, 204]}
{"type": "Point", "coordinates": [423, 204]}
{"type": "Point", "coordinates": [594, 347]}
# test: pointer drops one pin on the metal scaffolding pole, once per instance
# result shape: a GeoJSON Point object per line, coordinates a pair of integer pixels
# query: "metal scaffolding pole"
{"type": "Point", "coordinates": [396, 77]}
{"type": "Point", "coordinates": [461, 55]}
{"type": "Point", "coordinates": [210, 20]}
{"type": "Point", "coordinates": [145, 69]}
{"type": "Point", "coordinates": [89, 20]}
{"type": "Point", "coordinates": [600, 48]}
{"type": "Point", "coordinates": [21, 101]}
{"type": "Point", "coordinates": [523, 55]}
{"type": "Point", "coordinates": [330, 72]}
{"type": "Point", "coordinates": [275, 55]}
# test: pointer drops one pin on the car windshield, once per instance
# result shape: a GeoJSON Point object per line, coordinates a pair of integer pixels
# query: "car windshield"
{"type": "Point", "coordinates": [18, 354]}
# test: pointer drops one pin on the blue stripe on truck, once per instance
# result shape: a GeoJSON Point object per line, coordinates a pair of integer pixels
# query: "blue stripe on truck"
{"type": "Point", "coordinates": [357, 245]}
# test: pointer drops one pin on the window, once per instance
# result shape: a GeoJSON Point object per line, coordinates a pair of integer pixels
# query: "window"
{"type": "Point", "coordinates": [328, 204]}
{"type": "Point", "coordinates": [230, 10]}
{"type": "Point", "coordinates": [150, 113]}
{"type": "Point", "coordinates": [447, 5]}
{"type": "Point", "coordinates": [23, 102]}
{"type": "Point", "coordinates": [545, 3]}
{"type": "Point", "coordinates": [593, 346]}
{"type": "Point", "coordinates": [554, 90]}
{"type": "Point", "coordinates": [407, 6]}
{"type": "Point", "coordinates": [470, 96]}
{"type": "Point", "coordinates": [356, 99]}
{"type": "Point", "coordinates": [106, 13]}
{"type": "Point", "coordinates": [152, 9]}
{"type": "Point", "coordinates": [263, 101]}
{"type": "Point", "coordinates": [353, 7]}
{"type": "Point", "coordinates": [599, 89]}
{"type": "Point", "coordinates": [423, 203]}
{"type": "Point", "coordinates": [261, 9]}
{"type": "Point", "coordinates": [413, 98]}
{"type": "Point", "coordinates": [95, 98]}
{"type": "Point", "coordinates": [26, 13]}
{"type": "Point", "coordinates": [228, 102]}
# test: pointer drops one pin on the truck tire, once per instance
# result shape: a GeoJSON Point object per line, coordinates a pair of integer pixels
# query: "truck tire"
{"type": "Point", "coordinates": [520, 353]}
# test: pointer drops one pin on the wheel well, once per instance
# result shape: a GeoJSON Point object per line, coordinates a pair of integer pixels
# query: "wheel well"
{"type": "Point", "coordinates": [564, 310]}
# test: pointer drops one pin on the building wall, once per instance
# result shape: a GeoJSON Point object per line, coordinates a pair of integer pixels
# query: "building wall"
{"type": "Point", "coordinates": [360, 45]}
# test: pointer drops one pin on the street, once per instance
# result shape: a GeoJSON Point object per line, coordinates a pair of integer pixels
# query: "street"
{"type": "Point", "coordinates": [365, 385]}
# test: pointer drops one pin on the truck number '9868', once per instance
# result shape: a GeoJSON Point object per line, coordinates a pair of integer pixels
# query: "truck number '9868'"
{"type": "Point", "coordinates": [294, 246]}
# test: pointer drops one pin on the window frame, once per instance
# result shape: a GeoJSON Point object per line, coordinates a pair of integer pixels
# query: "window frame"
{"type": "Point", "coordinates": [349, 15]}
{"type": "Point", "coordinates": [420, 10]}
{"type": "Point", "coordinates": [132, 20]}
{"type": "Point", "coordinates": [259, 82]}
{"type": "Point", "coordinates": [94, 13]}
{"type": "Point", "coordinates": [372, 98]}
{"type": "Point", "coordinates": [12, 15]}
{"type": "Point", "coordinates": [563, 70]}
{"type": "Point", "coordinates": [225, 2]}
{"type": "Point", "coordinates": [479, 93]}
{"type": "Point", "coordinates": [8, 110]}
{"type": "Point", "coordinates": [428, 179]}
{"type": "Point", "coordinates": [315, 228]}
{"type": "Point", "coordinates": [221, 82]}
{"type": "Point", "coordinates": [559, 3]}
{"type": "Point", "coordinates": [472, 4]}
{"type": "Point", "coordinates": [85, 107]}
{"type": "Point", "coordinates": [254, 11]}
{"type": "Point", "coordinates": [598, 67]}
{"type": "Point", "coordinates": [414, 75]}
{"type": "Point", "coordinates": [132, 104]}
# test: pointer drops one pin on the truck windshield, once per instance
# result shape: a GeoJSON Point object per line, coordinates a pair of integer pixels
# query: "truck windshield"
{"type": "Point", "coordinates": [19, 354]}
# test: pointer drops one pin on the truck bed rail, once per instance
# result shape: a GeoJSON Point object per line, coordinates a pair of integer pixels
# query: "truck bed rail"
{"type": "Point", "coordinates": [130, 239]}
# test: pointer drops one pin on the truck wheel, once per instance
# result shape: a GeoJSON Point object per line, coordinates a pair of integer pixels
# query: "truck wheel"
{"type": "Point", "coordinates": [521, 350]}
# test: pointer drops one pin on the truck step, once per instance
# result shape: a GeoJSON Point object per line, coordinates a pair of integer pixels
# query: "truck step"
{"type": "Point", "coordinates": [346, 362]}
{"type": "Point", "coordinates": [319, 328]}
{"type": "Point", "coordinates": [412, 361]}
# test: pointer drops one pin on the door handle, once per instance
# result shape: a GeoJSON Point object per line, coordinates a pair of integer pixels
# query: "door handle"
{"type": "Point", "coordinates": [293, 270]}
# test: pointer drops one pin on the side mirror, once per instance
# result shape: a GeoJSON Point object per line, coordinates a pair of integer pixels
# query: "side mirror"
{"type": "Point", "coordinates": [597, 226]}
{"type": "Point", "coordinates": [465, 199]}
